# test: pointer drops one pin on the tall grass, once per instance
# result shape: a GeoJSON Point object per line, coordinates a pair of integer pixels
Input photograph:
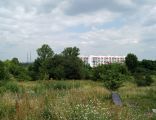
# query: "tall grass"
{"type": "Point", "coordinates": [75, 100]}
{"type": "Point", "coordinates": [60, 85]}
{"type": "Point", "coordinates": [10, 86]}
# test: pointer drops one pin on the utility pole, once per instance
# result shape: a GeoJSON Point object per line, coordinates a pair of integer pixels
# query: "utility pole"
{"type": "Point", "coordinates": [30, 56]}
{"type": "Point", "coordinates": [27, 58]}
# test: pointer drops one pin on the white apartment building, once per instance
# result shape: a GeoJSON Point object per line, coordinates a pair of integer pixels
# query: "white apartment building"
{"type": "Point", "coordinates": [94, 61]}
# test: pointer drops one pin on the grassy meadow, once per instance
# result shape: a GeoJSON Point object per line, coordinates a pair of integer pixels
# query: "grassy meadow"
{"type": "Point", "coordinates": [74, 100]}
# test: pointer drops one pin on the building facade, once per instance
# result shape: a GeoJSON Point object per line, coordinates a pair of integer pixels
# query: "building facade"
{"type": "Point", "coordinates": [94, 61]}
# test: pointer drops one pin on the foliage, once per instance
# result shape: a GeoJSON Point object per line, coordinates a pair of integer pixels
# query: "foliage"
{"type": "Point", "coordinates": [131, 62]}
{"type": "Point", "coordinates": [6, 110]}
{"type": "Point", "coordinates": [46, 114]}
{"type": "Point", "coordinates": [12, 87]}
{"type": "Point", "coordinates": [2, 71]}
{"type": "Point", "coordinates": [45, 53]}
{"type": "Point", "coordinates": [91, 102]}
{"type": "Point", "coordinates": [112, 75]}
{"type": "Point", "coordinates": [144, 80]}
{"type": "Point", "coordinates": [34, 70]}
{"type": "Point", "coordinates": [148, 64]}
{"type": "Point", "coordinates": [56, 67]}
{"type": "Point", "coordinates": [66, 65]}
{"type": "Point", "coordinates": [62, 85]}
{"type": "Point", "coordinates": [73, 66]}
{"type": "Point", "coordinates": [146, 67]}
{"type": "Point", "coordinates": [112, 80]}
{"type": "Point", "coordinates": [71, 52]}
{"type": "Point", "coordinates": [15, 61]}
{"type": "Point", "coordinates": [88, 72]}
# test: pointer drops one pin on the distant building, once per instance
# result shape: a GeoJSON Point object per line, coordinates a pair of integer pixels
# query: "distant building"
{"type": "Point", "coordinates": [94, 61]}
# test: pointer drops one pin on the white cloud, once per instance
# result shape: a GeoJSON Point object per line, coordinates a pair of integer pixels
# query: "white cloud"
{"type": "Point", "coordinates": [26, 24]}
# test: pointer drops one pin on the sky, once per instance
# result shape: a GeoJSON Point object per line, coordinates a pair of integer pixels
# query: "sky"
{"type": "Point", "coordinates": [97, 27]}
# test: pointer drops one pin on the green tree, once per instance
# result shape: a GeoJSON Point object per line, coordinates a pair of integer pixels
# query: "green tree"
{"type": "Point", "coordinates": [148, 64]}
{"type": "Point", "coordinates": [88, 71]}
{"type": "Point", "coordinates": [2, 71]}
{"type": "Point", "coordinates": [71, 51]}
{"type": "Point", "coordinates": [45, 54]}
{"type": "Point", "coordinates": [113, 80]}
{"type": "Point", "coordinates": [142, 80]}
{"type": "Point", "coordinates": [73, 65]}
{"type": "Point", "coordinates": [34, 70]}
{"type": "Point", "coordinates": [56, 67]}
{"type": "Point", "coordinates": [131, 62]}
{"type": "Point", "coordinates": [74, 68]}
{"type": "Point", "coordinates": [15, 61]}
{"type": "Point", "coordinates": [112, 75]}
{"type": "Point", "coordinates": [16, 70]}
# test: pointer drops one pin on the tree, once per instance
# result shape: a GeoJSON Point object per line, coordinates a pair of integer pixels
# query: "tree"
{"type": "Point", "coordinates": [40, 66]}
{"type": "Point", "coordinates": [16, 70]}
{"type": "Point", "coordinates": [88, 71]}
{"type": "Point", "coordinates": [148, 64]}
{"type": "Point", "coordinates": [45, 53]}
{"type": "Point", "coordinates": [2, 71]}
{"type": "Point", "coordinates": [56, 67]}
{"type": "Point", "coordinates": [112, 75]}
{"type": "Point", "coordinates": [131, 62]}
{"type": "Point", "coordinates": [142, 80]}
{"type": "Point", "coordinates": [113, 80]}
{"type": "Point", "coordinates": [73, 68]}
{"type": "Point", "coordinates": [73, 65]}
{"type": "Point", "coordinates": [15, 61]}
{"type": "Point", "coordinates": [72, 52]}
{"type": "Point", "coordinates": [34, 70]}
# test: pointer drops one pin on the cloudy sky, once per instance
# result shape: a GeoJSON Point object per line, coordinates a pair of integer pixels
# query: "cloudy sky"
{"type": "Point", "coordinates": [97, 27]}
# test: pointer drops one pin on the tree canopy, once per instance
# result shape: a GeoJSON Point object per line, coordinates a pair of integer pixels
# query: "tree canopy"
{"type": "Point", "coordinates": [131, 62]}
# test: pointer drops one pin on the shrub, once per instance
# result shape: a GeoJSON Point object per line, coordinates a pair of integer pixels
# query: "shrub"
{"type": "Point", "coordinates": [12, 86]}
{"type": "Point", "coordinates": [46, 114]}
{"type": "Point", "coordinates": [2, 90]}
{"type": "Point", "coordinates": [39, 88]}
{"type": "Point", "coordinates": [62, 85]}
{"type": "Point", "coordinates": [131, 62]}
{"type": "Point", "coordinates": [112, 75]}
{"type": "Point", "coordinates": [4, 74]}
{"type": "Point", "coordinates": [144, 80]}
{"type": "Point", "coordinates": [112, 80]}
{"type": "Point", "coordinates": [6, 111]}
{"type": "Point", "coordinates": [148, 80]}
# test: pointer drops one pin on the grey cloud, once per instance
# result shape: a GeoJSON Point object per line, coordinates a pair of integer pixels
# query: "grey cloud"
{"type": "Point", "coordinates": [41, 6]}
{"type": "Point", "coordinates": [85, 6]}
{"type": "Point", "coordinates": [27, 24]}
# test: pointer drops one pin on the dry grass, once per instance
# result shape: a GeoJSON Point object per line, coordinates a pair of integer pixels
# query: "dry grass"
{"type": "Point", "coordinates": [87, 101]}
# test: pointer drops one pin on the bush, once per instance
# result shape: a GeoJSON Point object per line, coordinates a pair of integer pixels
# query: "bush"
{"type": "Point", "coordinates": [131, 62]}
{"type": "Point", "coordinates": [4, 74]}
{"type": "Point", "coordinates": [112, 80]}
{"type": "Point", "coordinates": [112, 75]}
{"type": "Point", "coordinates": [6, 111]}
{"type": "Point", "coordinates": [144, 80]}
{"type": "Point", "coordinates": [2, 90]}
{"type": "Point", "coordinates": [39, 88]}
{"type": "Point", "coordinates": [46, 114]}
{"type": "Point", "coordinates": [12, 86]}
{"type": "Point", "coordinates": [62, 85]}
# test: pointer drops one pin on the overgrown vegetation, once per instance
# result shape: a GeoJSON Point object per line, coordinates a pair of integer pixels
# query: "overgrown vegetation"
{"type": "Point", "coordinates": [67, 65]}
{"type": "Point", "coordinates": [59, 87]}
{"type": "Point", "coordinates": [80, 100]}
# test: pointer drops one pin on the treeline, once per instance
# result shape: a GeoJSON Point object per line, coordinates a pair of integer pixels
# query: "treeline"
{"type": "Point", "coordinates": [67, 65]}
